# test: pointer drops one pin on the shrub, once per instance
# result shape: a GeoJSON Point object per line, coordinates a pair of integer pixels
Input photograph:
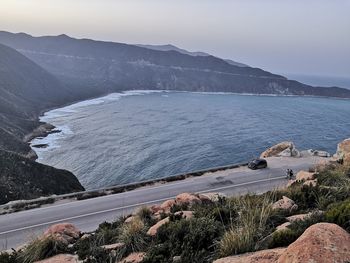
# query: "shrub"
{"type": "Point", "coordinates": [250, 227]}
{"type": "Point", "coordinates": [7, 258]}
{"type": "Point", "coordinates": [221, 211]}
{"type": "Point", "coordinates": [134, 236]}
{"type": "Point", "coordinates": [90, 250]}
{"type": "Point", "coordinates": [192, 239]}
{"type": "Point", "coordinates": [42, 248]}
{"type": "Point", "coordinates": [145, 214]}
{"type": "Point", "coordinates": [340, 214]}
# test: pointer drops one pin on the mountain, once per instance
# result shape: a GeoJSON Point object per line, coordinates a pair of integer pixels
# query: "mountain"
{"type": "Point", "coordinates": [26, 90]}
{"type": "Point", "coordinates": [170, 47]}
{"type": "Point", "coordinates": [91, 68]}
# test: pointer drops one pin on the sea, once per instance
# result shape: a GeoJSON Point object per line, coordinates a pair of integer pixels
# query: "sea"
{"type": "Point", "coordinates": [140, 135]}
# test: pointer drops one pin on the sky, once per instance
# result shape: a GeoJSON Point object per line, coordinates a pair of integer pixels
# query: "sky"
{"type": "Point", "coordinates": [283, 36]}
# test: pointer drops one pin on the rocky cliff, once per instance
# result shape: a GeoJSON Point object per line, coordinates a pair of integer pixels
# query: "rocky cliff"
{"type": "Point", "coordinates": [21, 178]}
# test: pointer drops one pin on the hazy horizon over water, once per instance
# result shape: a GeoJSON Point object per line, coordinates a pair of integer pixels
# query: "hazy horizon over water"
{"type": "Point", "coordinates": [141, 135]}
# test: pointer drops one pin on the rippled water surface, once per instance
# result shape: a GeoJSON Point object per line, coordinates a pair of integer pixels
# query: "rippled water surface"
{"type": "Point", "coordinates": [135, 136]}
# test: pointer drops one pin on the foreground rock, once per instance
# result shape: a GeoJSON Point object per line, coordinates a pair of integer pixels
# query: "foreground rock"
{"type": "Point", "coordinates": [62, 258]}
{"type": "Point", "coordinates": [320, 243]}
{"type": "Point", "coordinates": [305, 176]}
{"type": "Point", "coordinates": [64, 232]}
{"type": "Point", "coordinates": [343, 151]}
{"type": "Point", "coordinates": [264, 256]}
{"type": "Point", "coordinates": [283, 149]}
{"type": "Point", "coordinates": [133, 258]}
{"type": "Point", "coordinates": [285, 204]}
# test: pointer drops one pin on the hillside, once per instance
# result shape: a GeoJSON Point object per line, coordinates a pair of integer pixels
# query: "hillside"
{"type": "Point", "coordinates": [21, 178]}
{"type": "Point", "coordinates": [26, 90]}
{"type": "Point", "coordinates": [97, 67]}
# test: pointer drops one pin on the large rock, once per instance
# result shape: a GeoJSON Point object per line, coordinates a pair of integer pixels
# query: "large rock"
{"type": "Point", "coordinates": [264, 256]}
{"type": "Point", "coordinates": [283, 149]}
{"type": "Point", "coordinates": [304, 176]}
{"type": "Point", "coordinates": [167, 205]}
{"type": "Point", "coordinates": [285, 204]}
{"type": "Point", "coordinates": [343, 151]}
{"type": "Point", "coordinates": [320, 243]}
{"type": "Point", "coordinates": [61, 258]}
{"type": "Point", "coordinates": [64, 232]}
{"type": "Point", "coordinates": [187, 198]}
{"type": "Point", "coordinates": [133, 258]}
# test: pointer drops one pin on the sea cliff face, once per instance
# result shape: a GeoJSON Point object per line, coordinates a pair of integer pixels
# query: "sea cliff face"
{"type": "Point", "coordinates": [21, 178]}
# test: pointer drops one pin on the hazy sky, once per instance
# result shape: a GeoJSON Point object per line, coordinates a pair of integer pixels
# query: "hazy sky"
{"type": "Point", "coordinates": [290, 36]}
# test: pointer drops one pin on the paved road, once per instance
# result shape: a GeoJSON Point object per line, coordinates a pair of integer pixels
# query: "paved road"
{"type": "Point", "coordinates": [20, 227]}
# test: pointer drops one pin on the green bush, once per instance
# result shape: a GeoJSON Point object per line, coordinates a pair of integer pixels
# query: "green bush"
{"type": "Point", "coordinates": [41, 248]}
{"type": "Point", "coordinates": [194, 240]}
{"type": "Point", "coordinates": [340, 214]}
{"type": "Point", "coordinates": [8, 258]}
{"type": "Point", "coordinates": [283, 238]}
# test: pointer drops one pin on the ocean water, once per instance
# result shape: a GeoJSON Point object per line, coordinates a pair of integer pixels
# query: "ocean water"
{"type": "Point", "coordinates": [139, 135]}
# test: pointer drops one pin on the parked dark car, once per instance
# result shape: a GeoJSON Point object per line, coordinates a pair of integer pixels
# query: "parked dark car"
{"type": "Point", "coordinates": [257, 164]}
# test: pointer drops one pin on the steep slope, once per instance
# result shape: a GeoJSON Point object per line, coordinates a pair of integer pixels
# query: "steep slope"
{"type": "Point", "coordinates": [97, 67]}
{"type": "Point", "coordinates": [21, 178]}
{"type": "Point", "coordinates": [25, 91]}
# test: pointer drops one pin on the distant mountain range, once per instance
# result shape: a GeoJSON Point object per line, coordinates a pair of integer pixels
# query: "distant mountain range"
{"type": "Point", "coordinates": [40, 73]}
{"type": "Point", "coordinates": [183, 51]}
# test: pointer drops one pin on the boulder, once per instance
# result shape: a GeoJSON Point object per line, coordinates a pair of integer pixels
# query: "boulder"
{"type": "Point", "coordinates": [61, 258]}
{"type": "Point", "coordinates": [64, 232]}
{"type": "Point", "coordinates": [212, 197]}
{"type": "Point", "coordinates": [291, 182]}
{"type": "Point", "coordinates": [283, 149]}
{"type": "Point", "coordinates": [167, 205]}
{"type": "Point", "coordinates": [285, 204]}
{"type": "Point", "coordinates": [188, 199]}
{"type": "Point", "coordinates": [320, 243]}
{"type": "Point", "coordinates": [263, 256]}
{"type": "Point", "coordinates": [154, 229]}
{"type": "Point", "coordinates": [133, 258]}
{"type": "Point", "coordinates": [343, 151]}
{"type": "Point", "coordinates": [311, 183]}
{"type": "Point", "coordinates": [304, 176]}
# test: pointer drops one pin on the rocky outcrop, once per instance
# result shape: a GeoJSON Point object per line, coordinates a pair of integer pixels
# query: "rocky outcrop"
{"type": "Point", "coordinates": [187, 199]}
{"type": "Point", "coordinates": [343, 151]}
{"type": "Point", "coordinates": [64, 232]}
{"type": "Point", "coordinates": [285, 204]}
{"type": "Point", "coordinates": [283, 149]}
{"type": "Point", "coordinates": [320, 243]}
{"type": "Point", "coordinates": [264, 256]}
{"type": "Point", "coordinates": [304, 176]}
{"type": "Point", "coordinates": [133, 258]}
{"type": "Point", "coordinates": [21, 178]}
{"type": "Point", "coordinates": [61, 258]}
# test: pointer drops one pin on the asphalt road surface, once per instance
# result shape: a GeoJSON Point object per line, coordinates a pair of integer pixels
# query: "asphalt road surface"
{"type": "Point", "coordinates": [19, 228]}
